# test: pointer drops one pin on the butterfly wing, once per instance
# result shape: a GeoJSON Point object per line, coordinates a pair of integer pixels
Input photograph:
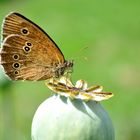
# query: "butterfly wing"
{"type": "Point", "coordinates": [28, 53]}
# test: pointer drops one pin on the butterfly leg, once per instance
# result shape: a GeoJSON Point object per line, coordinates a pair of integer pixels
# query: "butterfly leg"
{"type": "Point", "coordinates": [68, 80]}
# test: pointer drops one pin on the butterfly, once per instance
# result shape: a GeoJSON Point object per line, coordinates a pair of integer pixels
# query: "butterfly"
{"type": "Point", "coordinates": [28, 52]}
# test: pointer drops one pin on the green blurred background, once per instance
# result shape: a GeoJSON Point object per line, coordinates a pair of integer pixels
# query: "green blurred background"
{"type": "Point", "coordinates": [110, 32]}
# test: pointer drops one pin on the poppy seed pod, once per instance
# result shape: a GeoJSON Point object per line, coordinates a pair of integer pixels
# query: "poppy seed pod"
{"type": "Point", "coordinates": [60, 118]}
{"type": "Point", "coordinates": [74, 113]}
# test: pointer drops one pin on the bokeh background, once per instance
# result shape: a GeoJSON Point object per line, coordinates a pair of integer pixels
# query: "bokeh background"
{"type": "Point", "coordinates": [103, 39]}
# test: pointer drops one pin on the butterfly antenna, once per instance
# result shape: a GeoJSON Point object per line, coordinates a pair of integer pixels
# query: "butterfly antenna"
{"type": "Point", "coordinates": [79, 54]}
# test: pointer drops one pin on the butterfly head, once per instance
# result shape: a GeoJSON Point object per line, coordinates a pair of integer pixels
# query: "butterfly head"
{"type": "Point", "coordinates": [68, 64]}
{"type": "Point", "coordinates": [64, 69]}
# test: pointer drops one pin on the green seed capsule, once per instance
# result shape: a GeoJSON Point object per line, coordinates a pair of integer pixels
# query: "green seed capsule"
{"type": "Point", "coordinates": [59, 118]}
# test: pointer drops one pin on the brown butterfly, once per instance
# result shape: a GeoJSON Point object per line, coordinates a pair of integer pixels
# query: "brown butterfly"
{"type": "Point", "coordinates": [28, 53]}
